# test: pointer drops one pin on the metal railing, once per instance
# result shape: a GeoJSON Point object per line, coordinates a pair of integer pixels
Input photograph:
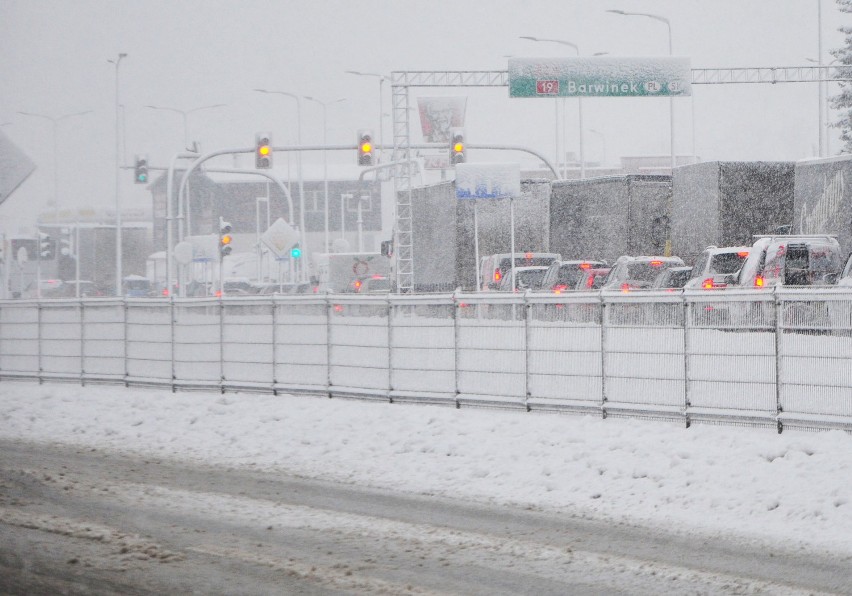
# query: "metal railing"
{"type": "Point", "coordinates": [763, 358]}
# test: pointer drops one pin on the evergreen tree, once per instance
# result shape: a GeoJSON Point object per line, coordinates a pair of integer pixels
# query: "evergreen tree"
{"type": "Point", "coordinates": [843, 101]}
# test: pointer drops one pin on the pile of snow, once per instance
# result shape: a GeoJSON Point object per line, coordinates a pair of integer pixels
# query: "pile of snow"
{"type": "Point", "coordinates": [793, 488]}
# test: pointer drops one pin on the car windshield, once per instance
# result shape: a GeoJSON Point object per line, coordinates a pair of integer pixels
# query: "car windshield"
{"type": "Point", "coordinates": [645, 271]}
{"type": "Point", "coordinates": [727, 262]}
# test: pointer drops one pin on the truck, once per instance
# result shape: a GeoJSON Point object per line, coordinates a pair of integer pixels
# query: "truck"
{"type": "Point", "coordinates": [607, 217]}
{"type": "Point", "coordinates": [335, 272]}
{"type": "Point", "coordinates": [720, 203]}
{"type": "Point", "coordinates": [823, 199]}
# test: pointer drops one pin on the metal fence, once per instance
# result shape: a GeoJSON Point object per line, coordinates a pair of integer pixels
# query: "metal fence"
{"type": "Point", "coordinates": [765, 358]}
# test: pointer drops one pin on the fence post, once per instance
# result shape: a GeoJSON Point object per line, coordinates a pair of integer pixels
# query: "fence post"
{"type": "Point", "coordinates": [390, 348]}
{"type": "Point", "coordinates": [456, 372]}
{"type": "Point", "coordinates": [38, 341]}
{"type": "Point", "coordinates": [328, 313]}
{"type": "Point", "coordinates": [603, 354]}
{"type": "Point", "coordinates": [173, 321]}
{"type": "Point", "coordinates": [687, 325]}
{"type": "Point", "coordinates": [83, 344]}
{"type": "Point", "coordinates": [222, 343]}
{"type": "Point", "coordinates": [274, 345]}
{"type": "Point", "coordinates": [778, 311]}
{"type": "Point", "coordinates": [527, 310]}
{"type": "Point", "coordinates": [124, 325]}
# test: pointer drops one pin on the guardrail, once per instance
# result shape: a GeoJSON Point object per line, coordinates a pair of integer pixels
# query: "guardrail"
{"type": "Point", "coordinates": [764, 358]}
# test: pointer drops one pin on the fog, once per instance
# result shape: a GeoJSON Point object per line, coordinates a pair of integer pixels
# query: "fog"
{"type": "Point", "coordinates": [187, 54]}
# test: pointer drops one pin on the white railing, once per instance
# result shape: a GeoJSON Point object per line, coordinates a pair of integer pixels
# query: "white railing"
{"type": "Point", "coordinates": [766, 358]}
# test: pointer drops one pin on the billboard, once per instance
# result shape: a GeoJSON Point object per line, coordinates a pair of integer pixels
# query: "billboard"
{"type": "Point", "coordinates": [438, 115]}
{"type": "Point", "coordinates": [600, 76]}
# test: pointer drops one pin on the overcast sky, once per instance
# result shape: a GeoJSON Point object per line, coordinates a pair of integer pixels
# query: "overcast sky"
{"type": "Point", "coordinates": [185, 54]}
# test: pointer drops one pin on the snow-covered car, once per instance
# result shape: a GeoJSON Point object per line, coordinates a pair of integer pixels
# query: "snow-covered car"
{"type": "Point", "coordinates": [638, 272]}
{"type": "Point", "coordinates": [717, 267]}
{"type": "Point", "coordinates": [788, 260]}
{"type": "Point", "coordinates": [672, 278]}
{"type": "Point", "coordinates": [562, 276]}
{"type": "Point", "coordinates": [494, 268]}
{"type": "Point", "coordinates": [592, 279]}
{"type": "Point", "coordinates": [526, 278]}
{"type": "Point", "coordinates": [840, 311]}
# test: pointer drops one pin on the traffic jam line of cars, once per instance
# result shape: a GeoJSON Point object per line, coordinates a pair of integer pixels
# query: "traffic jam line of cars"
{"type": "Point", "coordinates": [773, 260]}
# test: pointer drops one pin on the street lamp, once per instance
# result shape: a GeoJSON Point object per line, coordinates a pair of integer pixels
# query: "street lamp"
{"type": "Point", "coordinates": [671, 99]}
{"type": "Point", "coordinates": [118, 251]}
{"type": "Point", "coordinates": [324, 105]}
{"type": "Point", "coordinates": [580, 109]}
{"type": "Point", "coordinates": [184, 113]}
{"type": "Point", "coordinates": [55, 122]}
{"type": "Point", "coordinates": [382, 79]}
{"type": "Point", "coordinates": [298, 165]}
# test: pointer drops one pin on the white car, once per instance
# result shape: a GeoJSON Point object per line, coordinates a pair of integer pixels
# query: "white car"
{"type": "Point", "coordinates": [840, 311]}
{"type": "Point", "coordinates": [526, 278]}
{"type": "Point", "coordinates": [717, 267]}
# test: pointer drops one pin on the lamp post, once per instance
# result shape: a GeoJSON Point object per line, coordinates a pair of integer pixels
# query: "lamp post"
{"type": "Point", "coordinates": [671, 99]}
{"type": "Point", "coordinates": [185, 113]}
{"type": "Point", "coordinates": [302, 230]}
{"type": "Point", "coordinates": [55, 121]}
{"type": "Point", "coordinates": [324, 105]}
{"type": "Point", "coordinates": [118, 250]}
{"type": "Point", "coordinates": [382, 79]}
{"type": "Point", "coordinates": [579, 104]}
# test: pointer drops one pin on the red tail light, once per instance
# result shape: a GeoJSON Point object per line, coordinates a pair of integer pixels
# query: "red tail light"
{"type": "Point", "coordinates": [358, 285]}
{"type": "Point", "coordinates": [585, 266]}
{"type": "Point", "coordinates": [338, 308]}
{"type": "Point", "coordinates": [165, 291]}
{"type": "Point", "coordinates": [758, 281]}
{"type": "Point", "coordinates": [590, 282]}
{"type": "Point", "coordinates": [218, 293]}
{"type": "Point", "coordinates": [625, 287]}
{"type": "Point", "coordinates": [742, 253]}
{"type": "Point", "coordinates": [656, 263]}
{"type": "Point", "coordinates": [498, 275]}
{"type": "Point", "coordinates": [559, 288]}
{"type": "Point", "coordinates": [707, 284]}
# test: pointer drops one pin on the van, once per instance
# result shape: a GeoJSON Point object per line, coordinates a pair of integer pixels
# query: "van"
{"type": "Point", "coordinates": [493, 268]}
{"type": "Point", "coordinates": [792, 260]}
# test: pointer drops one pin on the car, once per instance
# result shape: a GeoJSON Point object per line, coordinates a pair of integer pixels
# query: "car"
{"type": "Point", "coordinates": [564, 275]}
{"type": "Point", "coordinates": [717, 268]}
{"type": "Point", "coordinates": [592, 279]}
{"type": "Point", "coordinates": [840, 311]}
{"type": "Point", "coordinates": [68, 289]}
{"type": "Point", "coordinates": [493, 268]}
{"type": "Point", "coordinates": [526, 278]}
{"type": "Point", "coordinates": [638, 272]}
{"type": "Point", "coordinates": [137, 286]}
{"type": "Point", "coordinates": [794, 260]}
{"type": "Point", "coordinates": [370, 284]}
{"type": "Point", "coordinates": [672, 278]}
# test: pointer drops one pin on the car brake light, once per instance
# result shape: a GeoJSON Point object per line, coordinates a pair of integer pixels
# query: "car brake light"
{"type": "Point", "coordinates": [625, 287]}
{"type": "Point", "coordinates": [559, 288]}
{"type": "Point", "coordinates": [358, 285]}
{"type": "Point", "coordinates": [742, 253]}
{"type": "Point", "coordinates": [707, 284]}
{"type": "Point", "coordinates": [165, 291]}
{"type": "Point", "coordinates": [528, 255]}
{"type": "Point", "coordinates": [498, 275]}
{"type": "Point", "coordinates": [656, 263]}
{"type": "Point", "coordinates": [590, 281]}
{"type": "Point", "coordinates": [585, 266]}
{"type": "Point", "coordinates": [218, 293]}
{"type": "Point", "coordinates": [338, 308]}
{"type": "Point", "coordinates": [758, 281]}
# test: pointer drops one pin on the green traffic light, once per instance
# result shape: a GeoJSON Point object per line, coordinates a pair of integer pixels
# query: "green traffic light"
{"type": "Point", "coordinates": [295, 252]}
{"type": "Point", "coordinates": [142, 178]}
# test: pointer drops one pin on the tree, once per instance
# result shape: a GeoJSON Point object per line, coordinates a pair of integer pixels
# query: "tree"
{"type": "Point", "coordinates": [843, 101]}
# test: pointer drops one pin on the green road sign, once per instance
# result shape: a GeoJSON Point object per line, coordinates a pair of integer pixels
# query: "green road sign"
{"type": "Point", "coordinates": [599, 76]}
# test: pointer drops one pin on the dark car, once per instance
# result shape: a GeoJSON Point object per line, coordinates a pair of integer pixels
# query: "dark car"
{"type": "Point", "coordinates": [564, 275]}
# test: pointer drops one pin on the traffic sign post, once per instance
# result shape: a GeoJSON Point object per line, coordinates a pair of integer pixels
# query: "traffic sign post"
{"type": "Point", "coordinates": [600, 76]}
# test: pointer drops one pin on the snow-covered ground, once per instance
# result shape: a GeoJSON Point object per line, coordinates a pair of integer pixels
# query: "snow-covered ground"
{"type": "Point", "coordinates": [793, 489]}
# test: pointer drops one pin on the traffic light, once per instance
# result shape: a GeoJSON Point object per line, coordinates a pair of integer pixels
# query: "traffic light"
{"type": "Point", "coordinates": [46, 247]}
{"type": "Point", "coordinates": [365, 147]}
{"type": "Point", "coordinates": [457, 146]}
{"type": "Point", "coordinates": [263, 151]}
{"type": "Point", "coordinates": [141, 176]}
{"type": "Point", "coordinates": [296, 252]}
{"type": "Point", "coordinates": [225, 237]}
